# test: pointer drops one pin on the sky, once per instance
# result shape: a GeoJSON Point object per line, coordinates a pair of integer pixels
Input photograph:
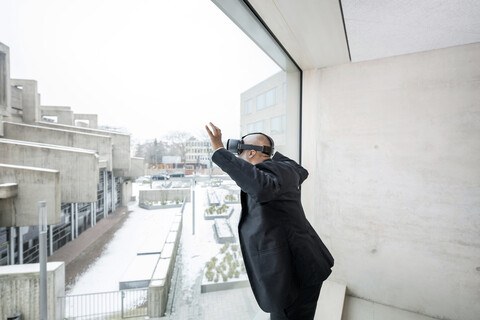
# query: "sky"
{"type": "Point", "coordinates": [150, 66]}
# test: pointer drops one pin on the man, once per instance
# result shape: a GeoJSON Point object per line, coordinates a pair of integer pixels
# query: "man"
{"type": "Point", "coordinates": [285, 259]}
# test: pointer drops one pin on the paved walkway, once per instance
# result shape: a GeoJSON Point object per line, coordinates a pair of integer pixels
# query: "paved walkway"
{"type": "Point", "coordinates": [80, 253]}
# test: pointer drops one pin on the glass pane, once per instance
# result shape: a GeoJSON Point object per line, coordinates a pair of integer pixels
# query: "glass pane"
{"type": "Point", "coordinates": [187, 63]}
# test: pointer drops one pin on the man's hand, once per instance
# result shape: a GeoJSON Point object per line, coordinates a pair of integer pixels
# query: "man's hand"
{"type": "Point", "coordinates": [215, 136]}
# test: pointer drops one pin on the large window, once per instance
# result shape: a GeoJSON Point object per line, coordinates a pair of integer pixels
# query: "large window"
{"type": "Point", "coordinates": [248, 106]}
{"type": "Point", "coordinates": [278, 124]}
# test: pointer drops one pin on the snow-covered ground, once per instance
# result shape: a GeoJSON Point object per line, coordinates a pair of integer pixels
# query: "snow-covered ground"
{"type": "Point", "coordinates": [197, 246]}
{"type": "Point", "coordinates": [106, 272]}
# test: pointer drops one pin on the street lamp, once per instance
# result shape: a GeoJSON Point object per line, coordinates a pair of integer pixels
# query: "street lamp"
{"type": "Point", "coordinates": [42, 224]}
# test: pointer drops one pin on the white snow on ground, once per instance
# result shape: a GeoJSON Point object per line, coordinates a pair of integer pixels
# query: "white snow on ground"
{"type": "Point", "coordinates": [196, 249]}
{"type": "Point", "coordinates": [106, 272]}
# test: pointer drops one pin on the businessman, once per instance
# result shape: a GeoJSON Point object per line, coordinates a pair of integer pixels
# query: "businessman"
{"type": "Point", "coordinates": [285, 259]}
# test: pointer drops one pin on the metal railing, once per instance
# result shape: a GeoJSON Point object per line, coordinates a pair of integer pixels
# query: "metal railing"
{"type": "Point", "coordinates": [105, 305]}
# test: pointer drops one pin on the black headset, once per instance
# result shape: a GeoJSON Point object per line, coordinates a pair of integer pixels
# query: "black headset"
{"type": "Point", "coordinates": [237, 146]}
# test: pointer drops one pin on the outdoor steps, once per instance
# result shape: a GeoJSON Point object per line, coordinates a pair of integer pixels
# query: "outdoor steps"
{"type": "Point", "coordinates": [329, 305]}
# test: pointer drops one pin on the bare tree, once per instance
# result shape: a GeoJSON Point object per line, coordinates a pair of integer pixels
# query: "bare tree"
{"type": "Point", "coordinates": [177, 141]}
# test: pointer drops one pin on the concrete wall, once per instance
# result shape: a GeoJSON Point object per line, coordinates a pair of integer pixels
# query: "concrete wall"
{"type": "Point", "coordinates": [91, 118]}
{"type": "Point", "coordinates": [4, 80]}
{"type": "Point", "coordinates": [126, 193]}
{"type": "Point", "coordinates": [78, 167]}
{"type": "Point", "coordinates": [162, 276]}
{"type": "Point", "coordinates": [19, 287]}
{"type": "Point", "coordinates": [393, 150]}
{"type": "Point", "coordinates": [5, 94]}
{"type": "Point", "coordinates": [30, 99]}
{"type": "Point", "coordinates": [137, 168]}
{"type": "Point", "coordinates": [120, 141]}
{"type": "Point", "coordinates": [64, 114]}
{"type": "Point", "coordinates": [164, 195]}
{"type": "Point", "coordinates": [34, 185]}
{"type": "Point", "coordinates": [100, 143]}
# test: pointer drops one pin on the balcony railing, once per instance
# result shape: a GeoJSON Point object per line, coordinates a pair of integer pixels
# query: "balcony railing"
{"type": "Point", "coordinates": [112, 305]}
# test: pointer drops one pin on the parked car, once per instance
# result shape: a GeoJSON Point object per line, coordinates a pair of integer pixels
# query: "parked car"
{"type": "Point", "coordinates": [160, 176]}
{"type": "Point", "coordinates": [144, 179]}
{"type": "Point", "coordinates": [177, 175]}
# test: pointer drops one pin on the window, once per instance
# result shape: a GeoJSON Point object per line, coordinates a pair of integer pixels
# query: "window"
{"type": "Point", "coordinates": [267, 99]}
{"type": "Point", "coordinates": [258, 126]}
{"type": "Point", "coordinates": [278, 124]}
{"type": "Point", "coordinates": [271, 97]}
{"type": "Point", "coordinates": [261, 102]}
{"type": "Point", "coordinates": [248, 106]}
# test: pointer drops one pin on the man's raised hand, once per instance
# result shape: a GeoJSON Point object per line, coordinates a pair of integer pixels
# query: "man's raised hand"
{"type": "Point", "coordinates": [215, 136]}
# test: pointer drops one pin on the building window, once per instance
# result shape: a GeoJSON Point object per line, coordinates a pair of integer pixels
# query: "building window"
{"type": "Point", "coordinates": [258, 126]}
{"type": "Point", "coordinates": [278, 124]}
{"type": "Point", "coordinates": [267, 99]}
{"type": "Point", "coordinates": [271, 97]}
{"type": "Point", "coordinates": [248, 106]}
{"type": "Point", "coordinates": [261, 101]}
{"type": "Point", "coordinates": [284, 91]}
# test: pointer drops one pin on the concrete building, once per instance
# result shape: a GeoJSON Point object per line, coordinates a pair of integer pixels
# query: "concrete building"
{"type": "Point", "coordinates": [263, 109]}
{"type": "Point", "coordinates": [49, 153]}
{"type": "Point", "coordinates": [198, 152]}
{"type": "Point", "coordinates": [389, 130]}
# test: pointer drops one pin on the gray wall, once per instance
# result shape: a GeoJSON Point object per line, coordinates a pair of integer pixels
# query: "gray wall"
{"type": "Point", "coordinates": [64, 114]}
{"type": "Point", "coordinates": [164, 195]}
{"type": "Point", "coordinates": [91, 118]}
{"type": "Point", "coordinates": [393, 150]}
{"type": "Point", "coordinates": [137, 168]}
{"type": "Point", "coordinates": [78, 167]}
{"type": "Point", "coordinates": [19, 287]}
{"type": "Point", "coordinates": [5, 93]}
{"type": "Point", "coordinates": [34, 184]}
{"type": "Point", "coordinates": [30, 99]}
{"type": "Point", "coordinates": [120, 141]}
{"type": "Point", "coordinates": [100, 143]}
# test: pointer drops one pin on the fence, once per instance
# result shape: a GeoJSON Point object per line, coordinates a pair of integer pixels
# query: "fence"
{"type": "Point", "coordinates": [112, 305]}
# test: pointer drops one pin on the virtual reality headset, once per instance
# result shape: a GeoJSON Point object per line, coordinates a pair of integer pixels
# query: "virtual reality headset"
{"type": "Point", "coordinates": [237, 146]}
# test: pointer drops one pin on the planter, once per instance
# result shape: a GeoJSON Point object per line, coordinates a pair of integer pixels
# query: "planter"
{"type": "Point", "coordinates": [225, 271]}
{"type": "Point", "coordinates": [154, 206]}
{"type": "Point", "coordinates": [222, 231]}
{"type": "Point", "coordinates": [213, 216]}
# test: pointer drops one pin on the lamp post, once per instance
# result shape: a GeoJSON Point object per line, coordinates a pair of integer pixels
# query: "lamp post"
{"type": "Point", "coordinates": [42, 223]}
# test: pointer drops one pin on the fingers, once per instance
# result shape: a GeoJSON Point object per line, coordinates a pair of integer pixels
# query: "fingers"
{"type": "Point", "coordinates": [208, 131]}
{"type": "Point", "coordinates": [215, 130]}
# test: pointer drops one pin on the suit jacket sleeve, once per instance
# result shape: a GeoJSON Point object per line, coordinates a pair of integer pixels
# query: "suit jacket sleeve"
{"type": "Point", "coordinates": [261, 184]}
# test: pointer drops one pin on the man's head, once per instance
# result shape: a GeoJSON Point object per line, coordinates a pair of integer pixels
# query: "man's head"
{"type": "Point", "coordinates": [254, 156]}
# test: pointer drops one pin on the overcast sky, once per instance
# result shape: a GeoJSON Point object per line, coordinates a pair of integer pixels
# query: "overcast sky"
{"type": "Point", "coordinates": [150, 66]}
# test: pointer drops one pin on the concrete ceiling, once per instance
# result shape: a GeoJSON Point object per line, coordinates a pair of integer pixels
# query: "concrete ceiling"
{"type": "Point", "coordinates": [383, 28]}
{"type": "Point", "coordinates": [311, 31]}
{"type": "Point", "coordinates": [314, 31]}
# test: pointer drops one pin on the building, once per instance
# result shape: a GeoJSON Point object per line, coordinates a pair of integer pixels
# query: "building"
{"type": "Point", "coordinates": [198, 152]}
{"type": "Point", "coordinates": [263, 109]}
{"type": "Point", "coordinates": [50, 153]}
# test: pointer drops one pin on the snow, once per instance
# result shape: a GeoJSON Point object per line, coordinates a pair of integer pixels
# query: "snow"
{"type": "Point", "coordinates": [121, 251]}
{"type": "Point", "coordinates": [145, 228]}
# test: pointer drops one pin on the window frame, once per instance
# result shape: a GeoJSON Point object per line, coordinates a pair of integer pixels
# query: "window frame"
{"type": "Point", "coordinates": [242, 13]}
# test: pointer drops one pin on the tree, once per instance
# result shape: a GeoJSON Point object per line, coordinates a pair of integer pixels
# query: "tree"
{"type": "Point", "coordinates": [177, 141]}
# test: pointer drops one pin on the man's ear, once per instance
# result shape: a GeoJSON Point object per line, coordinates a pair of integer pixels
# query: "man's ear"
{"type": "Point", "coordinates": [251, 153]}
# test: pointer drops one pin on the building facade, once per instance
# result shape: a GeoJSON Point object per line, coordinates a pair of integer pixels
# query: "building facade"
{"type": "Point", "coordinates": [51, 154]}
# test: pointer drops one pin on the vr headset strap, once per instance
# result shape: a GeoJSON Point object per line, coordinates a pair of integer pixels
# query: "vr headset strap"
{"type": "Point", "coordinates": [264, 149]}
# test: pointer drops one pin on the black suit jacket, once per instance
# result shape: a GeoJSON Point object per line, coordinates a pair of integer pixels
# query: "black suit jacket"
{"type": "Point", "coordinates": [281, 250]}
